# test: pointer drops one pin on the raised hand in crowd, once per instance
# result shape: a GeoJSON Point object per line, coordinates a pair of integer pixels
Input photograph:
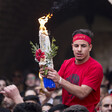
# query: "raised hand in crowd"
{"type": "Point", "coordinates": [12, 92]}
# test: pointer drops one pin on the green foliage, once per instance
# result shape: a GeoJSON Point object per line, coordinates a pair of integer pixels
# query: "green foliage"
{"type": "Point", "coordinates": [34, 47]}
{"type": "Point", "coordinates": [45, 71]}
{"type": "Point", "coordinates": [53, 51]}
{"type": "Point", "coordinates": [51, 54]}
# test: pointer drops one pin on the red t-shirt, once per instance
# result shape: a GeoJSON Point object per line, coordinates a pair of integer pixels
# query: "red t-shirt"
{"type": "Point", "coordinates": [89, 73]}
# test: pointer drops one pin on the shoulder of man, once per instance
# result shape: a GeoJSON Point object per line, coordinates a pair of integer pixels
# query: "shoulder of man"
{"type": "Point", "coordinates": [95, 63]}
{"type": "Point", "coordinates": [67, 61]}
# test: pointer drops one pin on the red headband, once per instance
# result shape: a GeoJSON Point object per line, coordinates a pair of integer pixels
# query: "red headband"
{"type": "Point", "coordinates": [82, 37]}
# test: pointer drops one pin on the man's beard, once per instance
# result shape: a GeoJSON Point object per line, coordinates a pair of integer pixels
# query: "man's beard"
{"type": "Point", "coordinates": [79, 59]}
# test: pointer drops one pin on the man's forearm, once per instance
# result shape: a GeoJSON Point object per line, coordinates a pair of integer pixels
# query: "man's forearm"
{"type": "Point", "coordinates": [77, 91]}
{"type": "Point", "coordinates": [18, 99]}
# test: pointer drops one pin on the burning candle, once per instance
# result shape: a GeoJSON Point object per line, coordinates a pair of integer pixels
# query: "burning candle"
{"type": "Point", "coordinates": [44, 39]}
{"type": "Point", "coordinates": [45, 53]}
{"type": "Point", "coordinates": [44, 42]}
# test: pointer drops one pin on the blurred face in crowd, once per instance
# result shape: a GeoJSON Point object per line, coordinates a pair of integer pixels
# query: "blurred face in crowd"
{"type": "Point", "coordinates": [81, 50]}
{"type": "Point", "coordinates": [30, 92]}
{"type": "Point", "coordinates": [8, 103]}
{"type": "Point", "coordinates": [56, 101]}
{"type": "Point", "coordinates": [31, 80]}
{"type": "Point", "coordinates": [2, 84]}
{"type": "Point", "coordinates": [106, 104]}
{"type": "Point", "coordinates": [17, 78]}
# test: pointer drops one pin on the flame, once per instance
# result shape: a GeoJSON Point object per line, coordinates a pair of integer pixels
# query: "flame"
{"type": "Point", "coordinates": [110, 1]}
{"type": "Point", "coordinates": [40, 76]}
{"type": "Point", "coordinates": [43, 20]}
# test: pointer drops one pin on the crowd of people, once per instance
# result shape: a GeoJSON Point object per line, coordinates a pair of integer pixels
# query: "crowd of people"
{"type": "Point", "coordinates": [26, 92]}
{"type": "Point", "coordinates": [43, 100]}
{"type": "Point", "coordinates": [79, 85]}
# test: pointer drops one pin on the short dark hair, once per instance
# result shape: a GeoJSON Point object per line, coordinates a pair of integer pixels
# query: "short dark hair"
{"type": "Point", "coordinates": [4, 110]}
{"type": "Point", "coordinates": [47, 104]}
{"type": "Point", "coordinates": [83, 31]}
{"type": "Point", "coordinates": [59, 107]}
{"type": "Point", "coordinates": [32, 97]}
{"type": "Point", "coordinates": [27, 107]}
{"type": "Point", "coordinates": [4, 79]}
{"type": "Point", "coordinates": [76, 108]}
{"type": "Point", "coordinates": [58, 97]}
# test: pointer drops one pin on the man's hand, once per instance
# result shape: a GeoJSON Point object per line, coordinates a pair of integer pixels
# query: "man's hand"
{"type": "Point", "coordinates": [12, 92]}
{"type": "Point", "coordinates": [52, 74]}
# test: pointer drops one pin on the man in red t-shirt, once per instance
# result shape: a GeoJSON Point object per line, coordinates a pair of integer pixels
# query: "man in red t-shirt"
{"type": "Point", "coordinates": [81, 76]}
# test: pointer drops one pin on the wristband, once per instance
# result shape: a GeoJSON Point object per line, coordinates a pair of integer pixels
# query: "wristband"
{"type": "Point", "coordinates": [60, 80]}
